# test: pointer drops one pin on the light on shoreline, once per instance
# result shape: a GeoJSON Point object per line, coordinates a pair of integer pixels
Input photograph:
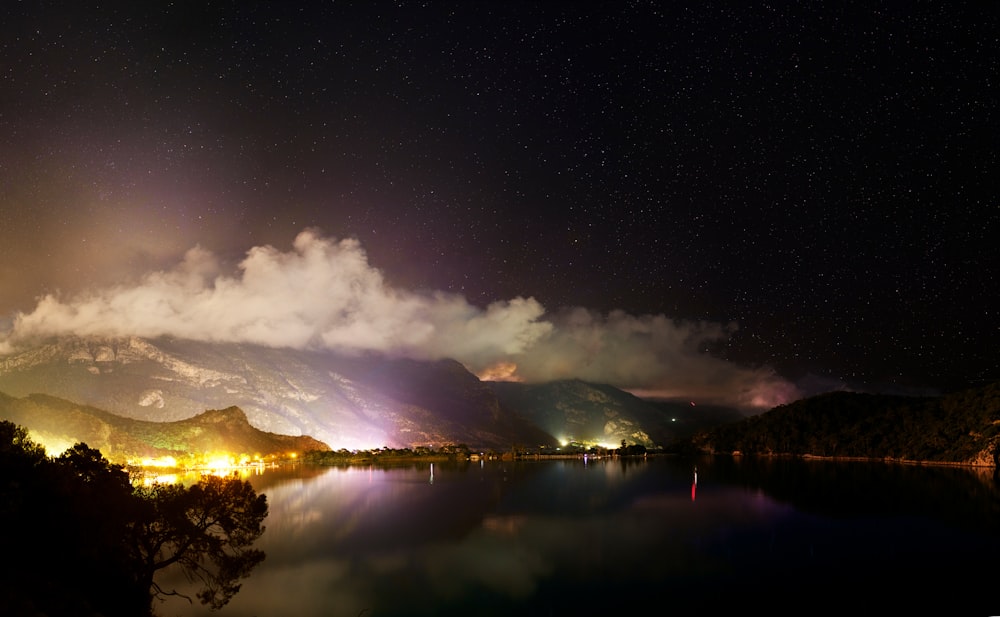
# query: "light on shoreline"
{"type": "Point", "coordinates": [163, 461]}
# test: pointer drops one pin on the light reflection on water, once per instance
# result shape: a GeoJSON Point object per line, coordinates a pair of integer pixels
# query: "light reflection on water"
{"type": "Point", "coordinates": [561, 537]}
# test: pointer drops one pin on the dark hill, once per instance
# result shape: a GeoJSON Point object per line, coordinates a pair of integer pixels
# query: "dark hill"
{"type": "Point", "coordinates": [575, 410]}
{"type": "Point", "coordinates": [445, 395]}
{"type": "Point", "coordinates": [961, 428]}
{"type": "Point", "coordinates": [687, 419]}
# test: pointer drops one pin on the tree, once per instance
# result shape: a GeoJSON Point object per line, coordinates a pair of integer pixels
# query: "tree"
{"type": "Point", "coordinates": [91, 471]}
{"type": "Point", "coordinates": [208, 530]}
{"type": "Point", "coordinates": [16, 445]}
{"type": "Point", "coordinates": [98, 504]}
{"type": "Point", "coordinates": [85, 542]}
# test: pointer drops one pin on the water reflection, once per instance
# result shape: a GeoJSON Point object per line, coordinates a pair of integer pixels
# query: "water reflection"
{"type": "Point", "coordinates": [565, 537]}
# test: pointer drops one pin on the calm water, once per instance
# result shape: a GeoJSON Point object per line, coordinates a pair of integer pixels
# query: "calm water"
{"type": "Point", "coordinates": [612, 536]}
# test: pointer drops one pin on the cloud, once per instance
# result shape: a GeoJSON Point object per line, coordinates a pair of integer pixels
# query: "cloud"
{"type": "Point", "coordinates": [324, 294]}
{"type": "Point", "coordinates": [321, 294]}
{"type": "Point", "coordinates": [650, 355]}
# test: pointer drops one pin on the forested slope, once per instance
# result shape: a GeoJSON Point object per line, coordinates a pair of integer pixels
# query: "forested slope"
{"type": "Point", "coordinates": [963, 427]}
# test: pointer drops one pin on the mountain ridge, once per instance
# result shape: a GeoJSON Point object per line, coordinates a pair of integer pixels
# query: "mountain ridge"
{"type": "Point", "coordinates": [59, 424]}
{"type": "Point", "coordinates": [345, 401]}
{"type": "Point", "coordinates": [961, 428]}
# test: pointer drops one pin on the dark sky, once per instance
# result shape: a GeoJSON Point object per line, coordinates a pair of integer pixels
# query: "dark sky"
{"type": "Point", "coordinates": [805, 190]}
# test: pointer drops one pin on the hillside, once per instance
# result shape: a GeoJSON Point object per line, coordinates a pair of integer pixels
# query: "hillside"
{"type": "Point", "coordinates": [687, 419]}
{"type": "Point", "coordinates": [961, 428]}
{"type": "Point", "coordinates": [345, 401]}
{"type": "Point", "coordinates": [58, 424]}
{"type": "Point", "coordinates": [575, 410]}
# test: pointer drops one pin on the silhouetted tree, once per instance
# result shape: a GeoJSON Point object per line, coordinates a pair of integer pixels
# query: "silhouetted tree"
{"type": "Point", "coordinates": [98, 503]}
{"type": "Point", "coordinates": [85, 542]}
{"type": "Point", "coordinates": [208, 530]}
{"type": "Point", "coordinates": [15, 445]}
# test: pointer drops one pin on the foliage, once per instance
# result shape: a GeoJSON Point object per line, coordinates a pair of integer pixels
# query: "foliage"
{"type": "Point", "coordinates": [957, 428]}
{"type": "Point", "coordinates": [15, 445]}
{"type": "Point", "coordinates": [208, 529]}
{"type": "Point", "coordinates": [636, 449]}
{"type": "Point", "coordinates": [343, 456]}
{"type": "Point", "coordinates": [86, 542]}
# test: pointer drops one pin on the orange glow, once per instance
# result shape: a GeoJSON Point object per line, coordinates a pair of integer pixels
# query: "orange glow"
{"type": "Point", "coordinates": [501, 371]}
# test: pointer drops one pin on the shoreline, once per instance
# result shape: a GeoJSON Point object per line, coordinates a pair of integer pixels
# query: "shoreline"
{"type": "Point", "coordinates": [859, 459]}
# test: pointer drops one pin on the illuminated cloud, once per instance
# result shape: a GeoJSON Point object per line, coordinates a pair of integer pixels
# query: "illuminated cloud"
{"type": "Point", "coordinates": [323, 294]}
{"type": "Point", "coordinates": [500, 371]}
{"type": "Point", "coordinates": [651, 356]}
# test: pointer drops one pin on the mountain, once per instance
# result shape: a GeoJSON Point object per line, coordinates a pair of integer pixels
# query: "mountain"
{"type": "Point", "coordinates": [60, 424]}
{"type": "Point", "coordinates": [574, 410]}
{"type": "Point", "coordinates": [961, 427]}
{"type": "Point", "coordinates": [352, 402]}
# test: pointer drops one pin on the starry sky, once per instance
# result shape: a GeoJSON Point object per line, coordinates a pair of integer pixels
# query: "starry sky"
{"type": "Point", "coordinates": [737, 202]}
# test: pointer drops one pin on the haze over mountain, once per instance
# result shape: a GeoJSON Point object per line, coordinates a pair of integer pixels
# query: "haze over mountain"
{"type": "Point", "coordinates": [345, 401]}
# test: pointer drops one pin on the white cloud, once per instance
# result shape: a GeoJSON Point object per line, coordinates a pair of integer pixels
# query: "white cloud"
{"type": "Point", "coordinates": [651, 355]}
{"type": "Point", "coordinates": [324, 294]}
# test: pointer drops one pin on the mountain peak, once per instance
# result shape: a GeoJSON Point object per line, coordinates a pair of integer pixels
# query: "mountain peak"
{"type": "Point", "coordinates": [229, 415]}
{"type": "Point", "coordinates": [346, 401]}
{"type": "Point", "coordinates": [58, 424]}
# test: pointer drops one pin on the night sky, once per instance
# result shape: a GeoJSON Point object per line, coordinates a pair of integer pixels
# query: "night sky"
{"type": "Point", "coordinates": [732, 202]}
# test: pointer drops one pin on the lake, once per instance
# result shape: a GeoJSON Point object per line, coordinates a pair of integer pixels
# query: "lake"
{"type": "Point", "coordinates": [614, 536]}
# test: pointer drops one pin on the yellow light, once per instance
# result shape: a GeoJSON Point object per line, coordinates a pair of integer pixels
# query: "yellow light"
{"type": "Point", "coordinates": [163, 461]}
{"type": "Point", "coordinates": [161, 479]}
{"type": "Point", "coordinates": [54, 446]}
{"type": "Point", "coordinates": [219, 462]}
